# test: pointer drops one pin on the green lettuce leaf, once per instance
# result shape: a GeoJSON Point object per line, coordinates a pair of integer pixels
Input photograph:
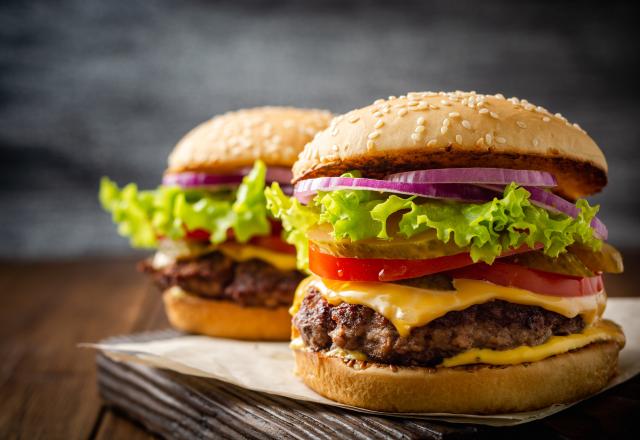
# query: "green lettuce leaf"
{"type": "Point", "coordinates": [349, 212]}
{"type": "Point", "coordinates": [296, 220]}
{"type": "Point", "coordinates": [485, 229]}
{"type": "Point", "coordinates": [169, 211]}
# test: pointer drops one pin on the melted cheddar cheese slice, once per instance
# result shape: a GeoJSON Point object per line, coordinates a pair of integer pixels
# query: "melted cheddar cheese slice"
{"type": "Point", "coordinates": [603, 330]}
{"type": "Point", "coordinates": [407, 307]}
{"type": "Point", "coordinates": [244, 252]}
{"type": "Point", "coordinates": [235, 251]}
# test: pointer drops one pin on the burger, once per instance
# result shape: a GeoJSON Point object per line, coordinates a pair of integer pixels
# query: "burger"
{"type": "Point", "coordinates": [219, 258]}
{"type": "Point", "coordinates": [456, 266]}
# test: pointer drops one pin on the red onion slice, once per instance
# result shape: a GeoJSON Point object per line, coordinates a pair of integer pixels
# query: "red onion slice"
{"type": "Point", "coordinates": [305, 190]}
{"type": "Point", "coordinates": [274, 174]}
{"type": "Point", "coordinates": [197, 180]}
{"type": "Point", "coordinates": [486, 176]}
{"type": "Point", "coordinates": [554, 203]}
{"type": "Point", "coordinates": [287, 188]}
{"type": "Point", "coordinates": [191, 180]}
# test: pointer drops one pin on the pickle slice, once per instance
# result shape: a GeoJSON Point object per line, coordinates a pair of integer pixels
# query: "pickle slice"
{"type": "Point", "coordinates": [421, 246]}
{"type": "Point", "coordinates": [578, 261]}
{"type": "Point", "coordinates": [565, 264]}
{"type": "Point", "coordinates": [607, 259]}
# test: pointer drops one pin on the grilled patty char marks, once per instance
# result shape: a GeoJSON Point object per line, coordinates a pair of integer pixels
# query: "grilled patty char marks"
{"type": "Point", "coordinates": [251, 283]}
{"type": "Point", "coordinates": [497, 325]}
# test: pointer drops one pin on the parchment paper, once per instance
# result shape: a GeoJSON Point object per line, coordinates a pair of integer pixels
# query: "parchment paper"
{"type": "Point", "coordinates": [268, 366]}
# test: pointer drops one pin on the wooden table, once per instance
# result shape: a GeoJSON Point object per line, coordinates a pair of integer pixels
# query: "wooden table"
{"type": "Point", "coordinates": [48, 385]}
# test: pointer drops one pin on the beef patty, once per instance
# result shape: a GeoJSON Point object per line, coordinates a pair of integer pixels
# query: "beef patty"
{"type": "Point", "coordinates": [496, 325]}
{"type": "Point", "coordinates": [253, 283]}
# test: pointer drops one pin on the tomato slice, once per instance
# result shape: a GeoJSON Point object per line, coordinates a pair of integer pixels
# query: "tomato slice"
{"type": "Point", "coordinates": [386, 269]}
{"type": "Point", "coordinates": [380, 269]}
{"type": "Point", "coordinates": [197, 235]}
{"type": "Point", "coordinates": [547, 283]}
{"type": "Point", "coordinates": [276, 232]}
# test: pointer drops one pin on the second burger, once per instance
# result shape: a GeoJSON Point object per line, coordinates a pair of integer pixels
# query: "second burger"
{"type": "Point", "coordinates": [219, 258]}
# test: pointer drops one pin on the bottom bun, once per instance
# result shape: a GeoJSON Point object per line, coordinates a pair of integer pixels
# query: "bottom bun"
{"type": "Point", "coordinates": [225, 319]}
{"type": "Point", "coordinates": [480, 389]}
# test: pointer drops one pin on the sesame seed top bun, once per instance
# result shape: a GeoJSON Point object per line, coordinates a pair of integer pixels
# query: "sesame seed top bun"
{"type": "Point", "coordinates": [237, 139]}
{"type": "Point", "coordinates": [457, 129]}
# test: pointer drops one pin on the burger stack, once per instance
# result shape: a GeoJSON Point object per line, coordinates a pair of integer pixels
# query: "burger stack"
{"type": "Point", "coordinates": [445, 257]}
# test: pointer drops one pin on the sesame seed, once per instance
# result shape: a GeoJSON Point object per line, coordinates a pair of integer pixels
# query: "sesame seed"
{"type": "Point", "coordinates": [482, 111]}
{"type": "Point", "coordinates": [353, 119]}
{"type": "Point", "coordinates": [521, 124]}
{"type": "Point", "coordinates": [422, 106]}
{"type": "Point", "coordinates": [374, 134]}
{"type": "Point", "coordinates": [416, 137]}
{"type": "Point", "coordinates": [391, 97]}
{"type": "Point", "coordinates": [402, 112]}
{"type": "Point", "coordinates": [419, 129]}
{"type": "Point", "coordinates": [432, 143]}
{"type": "Point", "coordinates": [370, 145]}
{"type": "Point", "coordinates": [433, 107]}
{"type": "Point", "coordinates": [379, 124]}
{"type": "Point", "coordinates": [444, 129]}
{"type": "Point", "coordinates": [446, 122]}
{"type": "Point", "coordinates": [499, 96]}
{"type": "Point", "coordinates": [378, 114]}
{"type": "Point", "coordinates": [535, 142]}
{"type": "Point", "coordinates": [412, 103]}
{"type": "Point", "coordinates": [454, 115]}
{"type": "Point", "coordinates": [378, 101]}
{"type": "Point", "coordinates": [466, 124]}
{"type": "Point", "coordinates": [480, 142]}
{"type": "Point", "coordinates": [488, 138]}
{"type": "Point", "coordinates": [459, 138]}
{"type": "Point", "coordinates": [445, 102]}
{"type": "Point", "coordinates": [420, 121]}
{"type": "Point", "coordinates": [334, 147]}
{"type": "Point", "coordinates": [546, 119]}
{"type": "Point", "coordinates": [528, 107]}
{"type": "Point", "coordinates": [494, 115]}
{"type": "Point", "coordinates": [501, 140]}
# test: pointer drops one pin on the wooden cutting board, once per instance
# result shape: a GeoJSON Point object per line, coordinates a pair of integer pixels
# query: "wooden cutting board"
{"type": "Point", "coordinates": [173, 405]}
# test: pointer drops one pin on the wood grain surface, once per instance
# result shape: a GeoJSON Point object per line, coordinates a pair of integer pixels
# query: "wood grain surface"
{"type": "Point", "coordinates": [48, 385]}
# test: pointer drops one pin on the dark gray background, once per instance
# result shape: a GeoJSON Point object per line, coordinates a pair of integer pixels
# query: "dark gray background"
{"type": "Point", "coordinates": [91, 88]}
